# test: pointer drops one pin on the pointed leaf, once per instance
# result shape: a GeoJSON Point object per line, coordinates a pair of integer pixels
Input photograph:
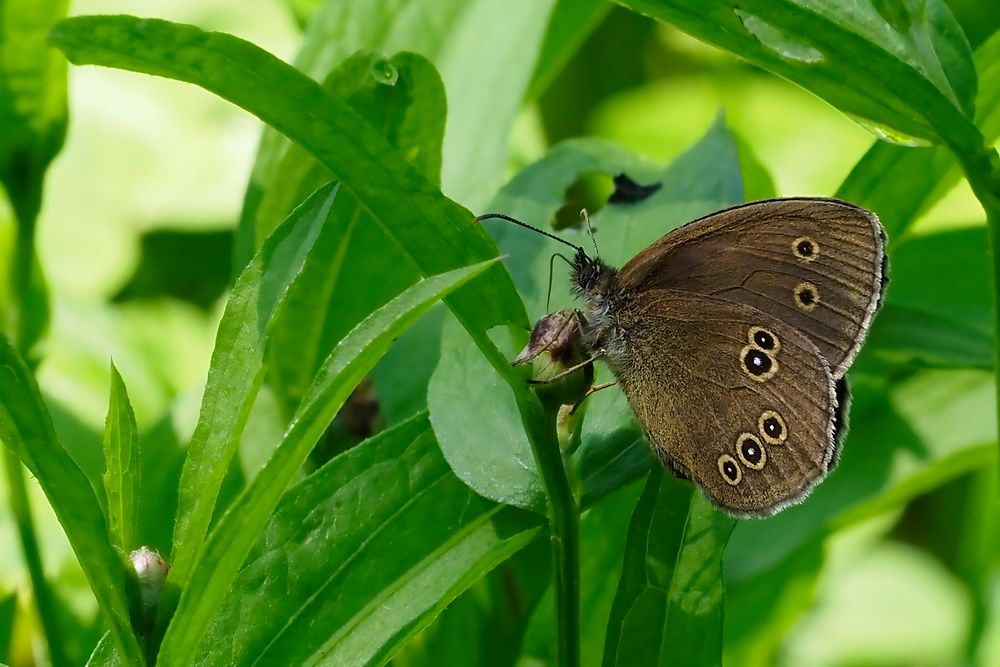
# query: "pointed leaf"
{"type": "Point", "coordinates": [121, 475]}
{"type": "Point", "coordinates": [26, 429]}
{"type": "Point", "coordinates": [236, 370]}
{"type": "Point", "coordinates": [238, 529]}
{"type": "Point", "coordinates": [360, 556]}
{"type": "Point", "coordinates": [846, 52]}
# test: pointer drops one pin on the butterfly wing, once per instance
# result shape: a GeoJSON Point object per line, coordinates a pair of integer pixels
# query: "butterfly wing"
{"type": "Point", "coordinates": [817, 265]}
{"type": "Point", "coordinates": [732, 398]}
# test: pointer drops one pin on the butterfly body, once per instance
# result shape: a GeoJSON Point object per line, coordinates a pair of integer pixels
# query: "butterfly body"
{"type": "Point", "coordinates": [730, 337]}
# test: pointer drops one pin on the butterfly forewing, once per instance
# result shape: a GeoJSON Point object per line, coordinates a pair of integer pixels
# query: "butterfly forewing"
{"type": "Point", "coordinates": [817, 265]}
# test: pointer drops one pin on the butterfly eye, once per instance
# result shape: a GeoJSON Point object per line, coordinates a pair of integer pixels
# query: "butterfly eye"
{"type": "Point", "coordinates": [805, 248]}
{"type": "Point", "coordinates": [772, 427]}
{"type": "Point", "coordinates": [758, 364]}
{"type": "Point", "coordinates": [763, 339]}
{"type": "Point", "coordinates": [806, 296]}
{"type": "Point", "coordinates": [751, 451]}
{"type": "Point", "coordinates": [730, 469]}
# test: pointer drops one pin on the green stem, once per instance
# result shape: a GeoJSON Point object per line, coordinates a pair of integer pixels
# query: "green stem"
{"type": "Point", "coordinates": [564, 530]}
{"type": "Point", "coordinates": [44, 600]}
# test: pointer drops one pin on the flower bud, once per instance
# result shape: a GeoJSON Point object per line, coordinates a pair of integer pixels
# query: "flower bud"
{"type": "Point", "coordinates": [151, 571]}
{"type": "Point", "coordinates": [556, 345]}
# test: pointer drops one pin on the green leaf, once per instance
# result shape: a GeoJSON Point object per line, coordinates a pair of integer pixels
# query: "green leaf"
{"type": "Point", "coordinates": [393, 192]}
{"type": "Point", "coordinates": [8, 608]}
{"type": "Point", "coordinates": [26, 430]}
{"type": "Point", "coordinates": [401, 96]}
{"type": "Point", "coordinates": [668, 610]}
{"type": "Point", "coordinates": [230, 541]}
{"type": "Point", "coordinates": [32, 101]}
{"type": "Point", "coordinates": [381, 538]}
{"type": "Point", "coordinates": [762, 609]}
{"type": "Point", "coordinates": [900, 183]}
{"type": "Point", "coordinates": [572, 21]}
{"type": "Point", "coordinates": [449, 33]}
{"type": "Point", "coordinates": [121, 475]}
{"type": "Point", "coordinates": [32, 130]}
{"type": "Point", "coordinates": [845, 52]}
{"type": "Point", "coordinates": [104, 654]}
{"type": "Point", "coordinates": [235, 374]}
{"type": "Point", "coordinates": [356, 251]}
{"type": "Point", "coordinates": [932, 322]}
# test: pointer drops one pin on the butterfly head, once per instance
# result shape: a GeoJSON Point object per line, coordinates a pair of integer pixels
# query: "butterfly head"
{"type": "Point", "coordinates": [592, 278]}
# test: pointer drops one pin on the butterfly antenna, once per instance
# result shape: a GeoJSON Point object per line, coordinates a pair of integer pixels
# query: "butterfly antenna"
{"type": "Point", "coordinates": [501, 216]}
{"type": "Point", "coordinates": [552, 260]}
{"type": "Point", "coordinates": [590, 230]}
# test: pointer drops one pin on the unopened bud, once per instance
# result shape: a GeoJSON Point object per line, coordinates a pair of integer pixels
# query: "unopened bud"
{"type": "Point", "coordinates": [555, 346]}
{"type": "Point", "coordinates": [151, 571]}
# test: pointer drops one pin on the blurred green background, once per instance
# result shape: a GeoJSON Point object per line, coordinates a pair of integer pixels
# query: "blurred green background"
{"type": "Point", "coordinates": [135, 238]}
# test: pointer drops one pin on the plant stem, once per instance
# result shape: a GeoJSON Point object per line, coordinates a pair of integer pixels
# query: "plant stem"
{"type": "Point", "coordinates": [564, 530]}
{"type": "Point", "coordinates": [44, 600]}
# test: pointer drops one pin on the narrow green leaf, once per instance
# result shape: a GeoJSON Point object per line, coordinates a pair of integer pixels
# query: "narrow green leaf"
{"type": "Point", "coordinates": [436, 233]}
{"type": "Point", "coordinates": [899, 182]}
{"type": "Point", "coordinates": [668, 610]}
{"type": "Point", "coordinates": [8, 608]}
{"type": "Point", "coordinates": [26, 429]}
{"type": "Point", "coordinates": [846, 52]}
{"type": "Point", "coordinates": [382, 538]}
{"type": "Point", "coordinates": [33, 103]}
{"type": "Point", "coordinates": [104, 654]}
{"type": "Point", "coordinates": [408, 107]}
{"type": "Point", "coordinates": [238, 529]}
{"type": "Point", "coordinates": [449, 33]}
{"type": "Point", "coordinates": [235, 374]}
{"type": "Point", "coordinates": [32, 130]}
{"type": "Point", "coordinates": [121, 475]}
{"type": "Point", "coordinates": [572, 21]}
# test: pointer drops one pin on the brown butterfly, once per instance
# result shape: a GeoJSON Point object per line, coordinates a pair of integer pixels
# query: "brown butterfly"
{"type": "Point", "coordinates": [731, 336]}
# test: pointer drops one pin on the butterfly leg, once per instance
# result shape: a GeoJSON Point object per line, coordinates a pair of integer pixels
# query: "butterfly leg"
{"type": "Point", "coordinates": [558, 376]}
{"type": "Point", "coordinates": [595, 388]}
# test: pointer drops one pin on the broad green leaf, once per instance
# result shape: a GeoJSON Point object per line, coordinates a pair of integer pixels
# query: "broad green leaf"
{"type": "Point", "coordinates": [235, 373]}
{"type": "Point", "coordinates": [900, 183]}
{"type": "Point", "coordinates": [434, 231]}
{"type": "Point", "coordinates": [408, 108]}
{"type": "Point", "coordinates": [612, 452]}
{"type": "Point", "coordinates": [449, 33]}
{"type": "Point", "coordinates": [26, 430]}
{"type": "Point", "coordinates": [668, 610]}
{"type": "Point", "coordinates": [360, 556]}
{"type": "Point", "coordinates": [121, 475]}
{"type": "Point", "coordinates": [231, 539]}
{"type": "Point", "coordinates": [846, 52]}
{"type": "Point", "coordinates": [929, 321]}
